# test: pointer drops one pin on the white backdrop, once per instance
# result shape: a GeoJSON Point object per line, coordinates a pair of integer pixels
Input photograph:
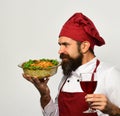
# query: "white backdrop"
{"type": "Point", "coordinates": [29, 30]}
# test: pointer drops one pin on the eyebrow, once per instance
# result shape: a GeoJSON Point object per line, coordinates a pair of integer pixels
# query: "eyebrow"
{"type": "Point", "coordinates": [63, 43]}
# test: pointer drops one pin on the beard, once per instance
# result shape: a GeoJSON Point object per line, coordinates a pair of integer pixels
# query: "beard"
{"type": "Point", "coordinates": [70, 64]}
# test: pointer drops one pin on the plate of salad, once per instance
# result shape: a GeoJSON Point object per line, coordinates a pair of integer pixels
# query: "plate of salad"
{"type": "Point", "coordinates": [40, 68]}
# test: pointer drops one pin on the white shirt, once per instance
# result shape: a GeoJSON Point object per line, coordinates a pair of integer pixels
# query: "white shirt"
{"type": "Point", "coordinates": [108, 84]}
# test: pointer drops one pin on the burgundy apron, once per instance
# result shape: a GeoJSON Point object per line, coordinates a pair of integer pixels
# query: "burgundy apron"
{"type": "Point", "coordinates": [73, 104]}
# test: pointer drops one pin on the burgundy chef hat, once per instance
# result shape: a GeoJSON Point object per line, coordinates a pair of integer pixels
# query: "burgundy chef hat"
{"type": "Point", "coordinates": [81, 28]}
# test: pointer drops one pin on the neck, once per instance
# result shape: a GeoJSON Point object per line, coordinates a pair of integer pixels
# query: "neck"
{"type": "Point", "coordinates": [87, 57]}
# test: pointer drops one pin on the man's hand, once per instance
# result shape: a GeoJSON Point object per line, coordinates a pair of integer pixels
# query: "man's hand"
{"type": "Point", "coordinates": [102, 103]}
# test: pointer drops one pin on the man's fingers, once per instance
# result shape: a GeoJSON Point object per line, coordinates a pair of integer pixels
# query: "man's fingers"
{"type": "Point", "coordinates": [27, 77]}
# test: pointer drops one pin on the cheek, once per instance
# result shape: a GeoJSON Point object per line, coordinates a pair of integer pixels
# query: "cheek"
{"type": "Point", "coordinates": [74, 53]}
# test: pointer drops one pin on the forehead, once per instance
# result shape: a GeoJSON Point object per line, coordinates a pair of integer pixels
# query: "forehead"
{"type": "Point", "coordinates": [66, 39]}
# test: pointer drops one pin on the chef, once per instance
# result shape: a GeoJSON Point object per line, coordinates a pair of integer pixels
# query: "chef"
{"type": "Point", "coordinates": [77, 40]}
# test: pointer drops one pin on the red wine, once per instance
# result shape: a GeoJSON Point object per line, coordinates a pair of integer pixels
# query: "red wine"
{"type": "Point", "coordinates": [88, 86]}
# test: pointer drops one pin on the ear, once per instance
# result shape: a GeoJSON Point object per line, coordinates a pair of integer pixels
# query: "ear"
{"type": "Point", "coordinates": [85, 45]}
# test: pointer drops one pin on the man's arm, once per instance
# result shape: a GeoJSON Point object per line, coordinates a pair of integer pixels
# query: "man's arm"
{"type": "Point", "coordinates": [111, 109]}
{"type": "Point", "coordinates": [49, 107]}
{"type": "Point", "coordinates": [42, 87]}
{"type": "Point", "coordinates": [44, 100]}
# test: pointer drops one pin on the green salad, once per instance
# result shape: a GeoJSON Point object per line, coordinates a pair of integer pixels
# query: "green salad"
{"type": "Point", "coordinates": [40, 64]}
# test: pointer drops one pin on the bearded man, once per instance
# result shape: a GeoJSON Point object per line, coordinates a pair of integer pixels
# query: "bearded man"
{"type": "Point", "coordinates": [77, 39]}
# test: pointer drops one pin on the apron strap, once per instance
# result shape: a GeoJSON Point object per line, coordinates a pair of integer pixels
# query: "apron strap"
{"type": "Point", "coordinates": [63, 84]}
{"type": "Point", "coordinates": [97, 63]}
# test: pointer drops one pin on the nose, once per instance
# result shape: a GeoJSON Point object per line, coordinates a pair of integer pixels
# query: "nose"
{"type": "Point", "coordinates": [61, 50]}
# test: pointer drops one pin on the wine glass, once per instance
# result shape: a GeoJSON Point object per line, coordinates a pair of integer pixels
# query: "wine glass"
{"type": "Point", "coordinates": [88, 84]}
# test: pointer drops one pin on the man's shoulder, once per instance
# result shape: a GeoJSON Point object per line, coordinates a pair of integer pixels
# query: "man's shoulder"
{"type": "Point", "coordinates": [104, 66]}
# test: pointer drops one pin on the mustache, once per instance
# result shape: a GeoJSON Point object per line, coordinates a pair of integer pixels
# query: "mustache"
{"type": "Point", "coordinates": [64, 56]}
